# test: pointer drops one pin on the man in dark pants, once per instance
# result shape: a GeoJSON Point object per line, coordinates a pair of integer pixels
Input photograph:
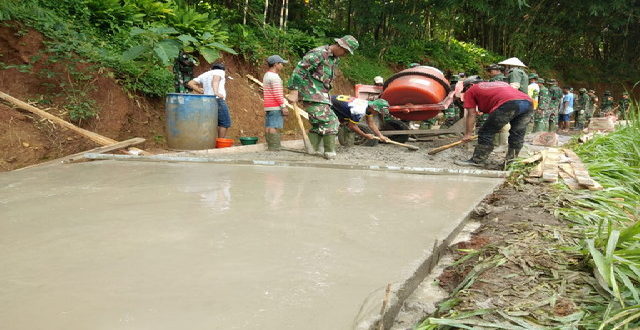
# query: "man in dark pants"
{"type": "Point", "coordinates": [505, 105]}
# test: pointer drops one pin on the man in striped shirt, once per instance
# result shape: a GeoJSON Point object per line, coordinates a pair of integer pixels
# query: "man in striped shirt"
{"type": "Point", "coordinates": [274, 103]}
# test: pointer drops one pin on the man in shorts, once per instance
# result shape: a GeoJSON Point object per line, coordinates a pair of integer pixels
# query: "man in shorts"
{"type": "Point", "coordinates": [564, 114]}
{"type": "Point", "coordinates": [274, 103]}
{"type": "Point", "coordinates": [212, 83]}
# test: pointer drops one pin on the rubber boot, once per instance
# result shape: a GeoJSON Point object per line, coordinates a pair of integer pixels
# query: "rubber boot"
{"type": "Point", "coordinates": [479, 158]}
{"type": "Point", "coordinates": [315, 139]}
{"type": "Point", "coordinates": [273, 141]}
{"type": "Point", "coordinates": [512, 154]}
{"type": "Point", "coordinates": [329, 146]}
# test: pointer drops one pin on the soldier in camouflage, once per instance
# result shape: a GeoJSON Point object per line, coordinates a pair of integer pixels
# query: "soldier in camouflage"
{"type": "Point", "coordinates": [591, 106]}
{"type": "Point", "coordinates": [311, 82]}
{"type": "Point", "coordinates": [541, 115]}
{"type": "Point", "coordinates": [580, 108]}
{"type": "Point", "coordinates": [556, 95]}
{"type": "Point", "coordinates": [623, 106]}
{"type": "Point", "coordinates": [183, 72]}
{"type": "Point", "coordinates": [496, 73]}
{"type": "Point", "coordinates": [606, 107]}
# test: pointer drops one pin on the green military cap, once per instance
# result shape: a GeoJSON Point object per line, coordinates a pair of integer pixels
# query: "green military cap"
{"type": "Point", "coordinates": [625, 93]}
{"type": "Point", "coordinates": [552, 81]}
{"type": "Point", "coordinates": [540, 80]}
{"type": "Point", "coordinates": [607, 92]}
{"type": "Point", "coordinates": [533, 76]}
{"type": "Point", "coordinates": [495, 67]}
{"type": "Point", "coordinates": [380, 105]}
{"type": "Point", "coordinates": [348, 42]}
{"type": "Point", "coordinates": [582, 90]}
{"type": "Point", "coordinates": [413, 65]}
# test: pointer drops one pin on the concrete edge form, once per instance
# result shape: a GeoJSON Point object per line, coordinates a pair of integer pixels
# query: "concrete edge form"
{"type": "Point", "coordinates": [237, 149]}
{"type": "Point", "coordinates": [398, 169]}
{"type": "Point", "coordinates": [401, 292]}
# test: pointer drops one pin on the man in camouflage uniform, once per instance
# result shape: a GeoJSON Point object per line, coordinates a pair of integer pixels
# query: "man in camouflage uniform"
{"type": "Point", "coordinates": [623, 106]}
{"type": "Point", "coordinates": [580, 108]}
{"type": "Point", "coordinates": [516, 76]}
{"type": "Point", "coordinates": [591, 106]}
{"type": "Point", "coordinates": [496, 72]}
{"type": "Point", "coordinates": [311, 81]}
{"type": "Point", "coordinates": [606, 107]}
{"type": "Point", "coordinates": [541, 115]}
{"type": "Point", "coordinates": [556, 95]}
{"type": "Point", "coordinates": [183, 72]}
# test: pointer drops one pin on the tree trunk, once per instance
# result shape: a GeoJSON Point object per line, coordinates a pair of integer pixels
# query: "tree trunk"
{"type": "Point", "coordinates": [266, 8]}
{"type": "Point", "coordinates": [282, 14]}
{"type": "Point", "coordinates": [246, 8]}
{"type": "Point", "coordinates": [286, 13]}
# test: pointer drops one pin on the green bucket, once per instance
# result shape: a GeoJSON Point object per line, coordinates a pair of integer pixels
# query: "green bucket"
{"type": "Point", "coordinates": [246, 140]}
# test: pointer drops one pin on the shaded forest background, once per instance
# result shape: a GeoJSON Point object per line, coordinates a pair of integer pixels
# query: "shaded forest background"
{"type": "Point", "coordinates": [583, 42]}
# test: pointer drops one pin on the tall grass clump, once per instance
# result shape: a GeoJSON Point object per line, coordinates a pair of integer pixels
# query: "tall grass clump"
{"type": "Point", "coordinates": [609, 219]}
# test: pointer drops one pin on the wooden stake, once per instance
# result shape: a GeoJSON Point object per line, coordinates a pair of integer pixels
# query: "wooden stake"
{"type": "Point", "coordinates": [385, 302]}
{"type": "Point", "coordinates": [305, 137]}
{"type": "Point", "coordinates": [450, 145]}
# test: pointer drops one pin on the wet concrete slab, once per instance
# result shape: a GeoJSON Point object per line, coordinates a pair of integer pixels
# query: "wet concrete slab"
{"type": "Point", "coordinates": [132, 245]}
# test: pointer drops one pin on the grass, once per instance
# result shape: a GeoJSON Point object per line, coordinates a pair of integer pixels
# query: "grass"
{"type": "Point", "coordinates": [606, 226]}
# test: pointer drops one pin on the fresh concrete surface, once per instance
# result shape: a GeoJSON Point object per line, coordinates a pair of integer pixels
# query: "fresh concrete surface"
{"type": "Point", "coordinates": [129, 245]}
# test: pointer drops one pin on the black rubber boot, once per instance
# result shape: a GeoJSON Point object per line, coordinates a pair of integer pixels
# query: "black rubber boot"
{"type": "Point", "coordinates": [479, 158]}
{"type": "Point", "coordinates": [512, 154]}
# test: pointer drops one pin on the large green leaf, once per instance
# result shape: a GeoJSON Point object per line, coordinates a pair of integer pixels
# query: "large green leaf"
{"type": "Point", "coordinates": [167, 50]}
{"type": "Point", "coordinates": [137, 31]}
{"type": "Point", "coordinates": [209, 54]}
{"type": "Point", "coordinates": [134, 52]}
{"type": "Point", "coordinates": [186, 39]}
{"type": "Point", "coordinates": [222, 47]}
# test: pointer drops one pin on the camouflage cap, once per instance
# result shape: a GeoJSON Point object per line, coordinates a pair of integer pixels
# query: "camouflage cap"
{"type": "Point", "coordinates": [540, 80]}
{"type": "Point", "coordinates": [582, 90]}
{"type": "Point", "coordinates": [625, 93]}
{"type": "Point", "coordinates": [348, 42]}
{"type": "Point", "coordinates": [495, 67]}
{"type": "Point", "coordinates": [413, 65]}
{"type": "Point", "coordinates": [533, 76]}
{"type": "Point", "coordinates": [380, 105]}
{"type": "Point", "coordinates": [607, 92]}
{"type": "Point", "coordinates": [553, 81]}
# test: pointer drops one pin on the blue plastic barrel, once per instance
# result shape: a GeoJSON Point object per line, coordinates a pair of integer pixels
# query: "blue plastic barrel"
{"type": "Point", "coordinates": [192, 121]}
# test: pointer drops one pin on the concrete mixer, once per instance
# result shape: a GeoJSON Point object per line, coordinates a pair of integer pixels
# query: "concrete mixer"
{"type": "Point", "coordinates": [414, 94]}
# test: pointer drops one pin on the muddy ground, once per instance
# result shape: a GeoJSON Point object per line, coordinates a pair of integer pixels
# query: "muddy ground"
{"type": "Point", "coordinates": [513, 270]}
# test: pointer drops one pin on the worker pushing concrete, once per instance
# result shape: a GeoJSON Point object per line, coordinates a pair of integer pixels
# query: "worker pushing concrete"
{"type": "Point", "coordinates": [311, 82]}
{"type": "Point", "coordinates": [274, 103]}
{"type": "Point", "coordinates": [504, 105]}
{"type": "Point", "coordinates": [350, 111]}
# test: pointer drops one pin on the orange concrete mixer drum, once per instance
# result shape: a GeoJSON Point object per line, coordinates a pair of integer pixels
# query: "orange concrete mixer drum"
{"type": "Point", "coordinates": [416, 93]}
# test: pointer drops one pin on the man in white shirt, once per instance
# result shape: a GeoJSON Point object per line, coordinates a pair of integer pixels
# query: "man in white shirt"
{"type": "Point", "coordinates": [212, 83]}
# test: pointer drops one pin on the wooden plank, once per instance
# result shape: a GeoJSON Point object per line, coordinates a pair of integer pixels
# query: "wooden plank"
{"type": "Point", "coordinates": [532, 159]}
{"type": "Point", "coordinates": [536, 172]}
{"type": "Point", "coordinates": [305, 137]}
{"type": "Point", "coordinates": [572, 155]}
{"type": "Point", "coordinates": [259, 83]}
{"type": "Point", "coordinates": [569, 181]}
{"type": "Point", "coordinates": [80, 156]}
{"type": "Point", "coordinates": [582, 175]}
{"type": "Point", "coordinates": [550, 165]}
{"type": "Point", "coordinates": [95, 137]}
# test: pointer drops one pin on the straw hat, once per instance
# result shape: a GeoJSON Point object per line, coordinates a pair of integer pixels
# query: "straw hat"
{"type": "Point", "coordinates": [514, 61]}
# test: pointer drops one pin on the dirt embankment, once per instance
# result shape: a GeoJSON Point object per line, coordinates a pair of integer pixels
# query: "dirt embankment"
{"type": "Point", "coordinates": [26, 139]}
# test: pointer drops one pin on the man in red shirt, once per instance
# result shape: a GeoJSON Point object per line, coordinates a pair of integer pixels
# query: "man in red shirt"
{"type": "Point", "coordinates": [505, 105]}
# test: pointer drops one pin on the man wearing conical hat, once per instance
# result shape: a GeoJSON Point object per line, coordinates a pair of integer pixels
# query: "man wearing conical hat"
{"type": "Point", "coordinates": [516, 76]}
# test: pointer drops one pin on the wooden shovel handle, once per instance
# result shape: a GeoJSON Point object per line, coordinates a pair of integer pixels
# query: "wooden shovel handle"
{"type": "Point", "coordinates": [450, 145]}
